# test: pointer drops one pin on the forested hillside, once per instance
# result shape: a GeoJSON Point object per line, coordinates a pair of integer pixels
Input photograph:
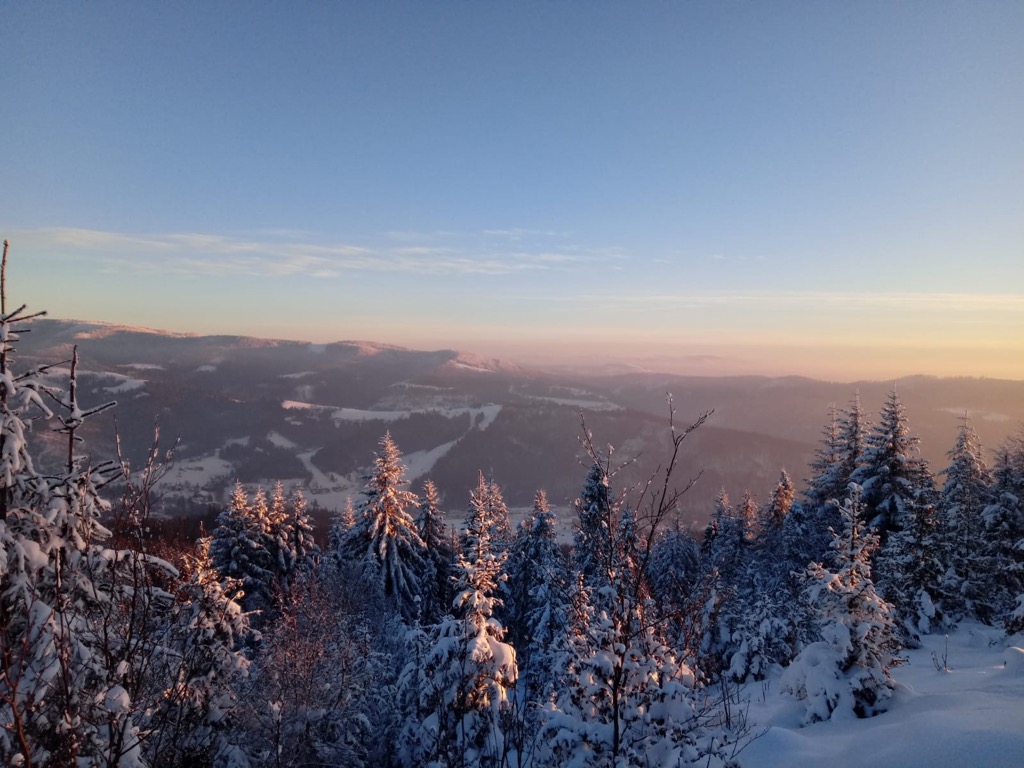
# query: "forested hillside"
{"type": "Point", "coordinates": [310, 415]}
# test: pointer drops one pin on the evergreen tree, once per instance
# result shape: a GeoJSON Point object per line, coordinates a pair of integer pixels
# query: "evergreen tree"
{"type": "Point", "coordinates": [239, 552]}
{"type": "Point", "coordinates": [828, 458]}
{"type": "Point", "coordinates": [758, 613]}
{"type": "Point", "coordinates": [594, 524]}
{"type": "Point", "coordinates": [457, 705]}
{"type": "Point", "coordinates": [774, 566]}
{"type": "Point", "coordinates": [891, 473]}
{"type": "Point", "coordinates": [385, 536]}
{"type": "Point", "coordinates": [854, 431]}
{"type": "Point", "coordinates": [628, 700]}
{"type": "Point", "coordinates": [303, 547]}
{"type": "Point", "coordinates": [289, 539]}
{"type": "Point", "coordinates": [487, 504]}
{"type": "Point", "coordinates": [805, 530]}
{"type": "Point", "coordinates": [850, 666]}
{"type": "Point", "coordinates": [537, 594]}
{"type": "Point", "coordinates": [720, 560]}
{"type": "Point", "coordinates": [1004, 525]}
{"type": "Point", "coordinates": [965, 495]}
{"type": "Point", "coordinates": [899, 505]}
{"type": "Point", "coordinates": [675, 570]}
{"type": "Point", "coordinates": [278, 542]}
{"type": "Point", "coordinates": [439, 554]}
{"type": "Point", "coordinates": [278, 530]}
{"type": "Point", "coordinates": [728, 536]}
{"type": "Point", "coordinates": [749, 617]}
{"type": "Point", "coordinates": [772, 517]}
{"type": "Point", "coordinates": [909, 571]}
{"type": "Point", "coordinates": [342, 522]}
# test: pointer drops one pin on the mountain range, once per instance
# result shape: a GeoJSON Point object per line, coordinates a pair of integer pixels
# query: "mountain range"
{"type": "Point", "coordinates": [308, 414]}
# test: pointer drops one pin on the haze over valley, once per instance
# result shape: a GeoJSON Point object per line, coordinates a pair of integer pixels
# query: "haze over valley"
{"type": "Point", "coordinates": [261, 410]}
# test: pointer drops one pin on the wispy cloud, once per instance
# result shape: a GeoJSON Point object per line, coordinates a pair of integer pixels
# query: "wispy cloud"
{"type": "Point", "coordinates": [914, 319]}
{"type": "Point", "coordinates": [517, 233]}
{"type": "Point", "coordinates": [812, 300]}
{"type": "Point", "coordinates": [288, 252]}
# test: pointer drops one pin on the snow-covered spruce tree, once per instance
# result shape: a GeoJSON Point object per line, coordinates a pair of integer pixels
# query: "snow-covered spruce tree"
{"type": "Point", "coordinates": [29, 633]}
{"type": "Point", "coordinates": [726, 570]}
{"type": "Point", "coordinates": [487, 503]}
{"type": "Point", "coordinates": [305, 552]}
{"type": "Point", "coordinates": [849, 668]}
{"type": "Point", "coordinates": [965, 495]}
{"type": "Point", "coordinates": [191, 717]}
{"type": "Point", "coordinates": [628, 700]}
{"type": "Point", "coordinates": [775, 569]}
{"type": "Point", "coordinates": [261, 584]}
{"type": "Point", "coordinates": [807, 528]}
{"type": "Point", "coordinates": [760, 621]}
{"type": "Point", "coordinates": [675, 571]}
{"type": "Point", "coordinates": [763, 636]}
{"type": "Point", "coordinates": [537, 595]}
{"type": "Point", "coordinates": [279, 543]}
{"type": "Point", "coordinates": [753, 624]}
{"type": "Point", "coordinates": [854, 431]}
{"type": "Point", "coordinates": [1004, 525]}
{"type": "Point", "coordinates": [440, 555]}
{"type": "Point", "coordinates": [891, 471]}
{"type": "Point", "coordinates": [909, 573]}
{"type": "Point", "coordinates": [899, 505]}
{"type": "Point", "coordinates": [277, 524]}
{"type": "Point", "coordinates": [289, 540]}
{"type": "Point", "coordinates": [457, 704]}
{"type": "Point", "coordinates": [384, 537]}
{"type": "Point", "coordinates": [342, 522]}
{"type": "Point", "coordinates": [89, 706]}
{"type": "Point", "coordinates": [728, 538]}
{"type": "Point", "coordinates": [239, 552]}
{"type": "Point", "coordinates": [594, 521]}
{"type": "Point", "coordinates": [771, 518]}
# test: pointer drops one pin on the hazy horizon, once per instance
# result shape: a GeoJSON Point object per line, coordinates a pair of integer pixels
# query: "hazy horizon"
{"type": "Point", "coordinates": [693, 362]}
{"type": "Point", "coordinates": [833, 191]}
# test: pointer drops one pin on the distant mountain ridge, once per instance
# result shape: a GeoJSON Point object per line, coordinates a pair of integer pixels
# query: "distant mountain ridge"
{"type": "Point", "coordinates": [263, 409]}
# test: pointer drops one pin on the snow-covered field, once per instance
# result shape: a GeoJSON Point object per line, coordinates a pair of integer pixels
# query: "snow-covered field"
{"type": "Point", "coordinates": [198, 472]}
{"type": "Point", "coordinates": [486, 413]}
{"type": "Point", "coordinates": [970, 716]}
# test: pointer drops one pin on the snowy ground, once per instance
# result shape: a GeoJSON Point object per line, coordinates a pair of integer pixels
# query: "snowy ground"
{"type": "Point", "coordinates": [972, 715]}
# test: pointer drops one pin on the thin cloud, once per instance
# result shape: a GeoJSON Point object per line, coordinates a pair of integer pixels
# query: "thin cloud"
{"type": "Point", "coordinates": [403, 235]}
{"type": "Point", "coordinates": [201, 254]}
{"type": "Point", "coordinates": [518, 233]}
{"type": "Point", "coordinates": [1005, 302]}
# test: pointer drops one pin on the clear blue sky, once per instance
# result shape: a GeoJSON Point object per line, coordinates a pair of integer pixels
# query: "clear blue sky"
{"type": "Point", "coordinates": [827, 188]}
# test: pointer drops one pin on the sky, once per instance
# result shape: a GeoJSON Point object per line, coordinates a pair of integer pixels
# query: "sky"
{"type": "Point", "coordinates": [814, 188]}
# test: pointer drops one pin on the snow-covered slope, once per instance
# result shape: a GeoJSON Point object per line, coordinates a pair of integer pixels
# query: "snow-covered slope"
{"type": "Point", "coordinates": [971, 716]}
